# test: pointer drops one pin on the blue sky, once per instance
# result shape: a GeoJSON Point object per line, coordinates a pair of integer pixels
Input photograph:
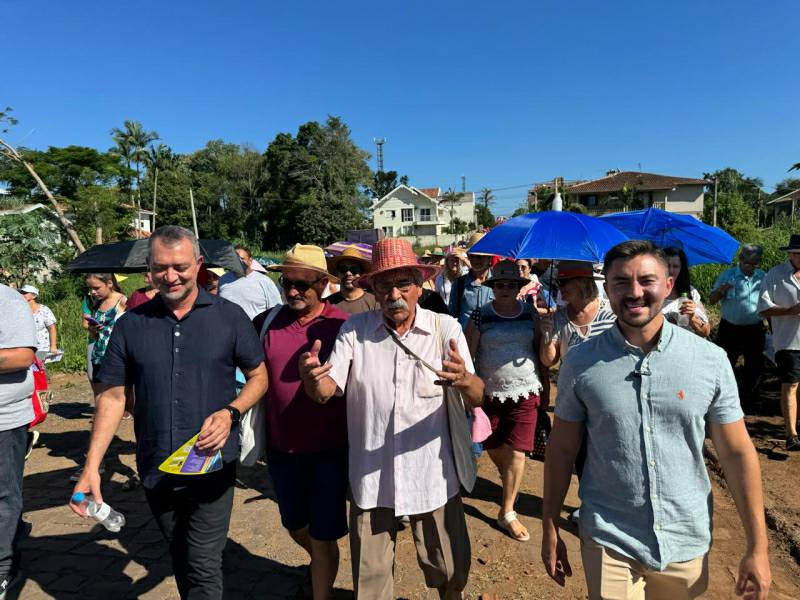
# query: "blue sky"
{"type": "Point", "coordinates": [505, 93]}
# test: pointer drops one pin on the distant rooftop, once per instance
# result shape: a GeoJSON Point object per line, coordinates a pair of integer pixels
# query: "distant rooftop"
{"type": "Point", "coordinates": [643, 182]}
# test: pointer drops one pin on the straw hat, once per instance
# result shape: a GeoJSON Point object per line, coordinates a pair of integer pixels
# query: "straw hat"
{"type": "Point", "coordinates": [302, 256]}
{"type": "Point", "coordinates": [506, 270]}
{"type": "Point", "coordinates": [390, 254]}
{"type": "Point", "coordinates": [474, 239]}
{"type": "Point", "coordinates": [348, 255]}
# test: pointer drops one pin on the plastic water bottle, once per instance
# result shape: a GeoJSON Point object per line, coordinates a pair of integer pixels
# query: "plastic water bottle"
{"type": "Point", "coordinates": [683, 320]}
{"type": "Point", "coordinates": [102, 513]}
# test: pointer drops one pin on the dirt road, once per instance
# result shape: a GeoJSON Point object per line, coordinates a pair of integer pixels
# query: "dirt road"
{"type": "Point", "coordinates": [66, 558]}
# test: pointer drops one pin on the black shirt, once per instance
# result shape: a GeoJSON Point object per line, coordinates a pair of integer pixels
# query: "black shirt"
{"type": "Point", "coordinates": [431, 300]}
{"type": "Point", "coordinates": [182, 371]}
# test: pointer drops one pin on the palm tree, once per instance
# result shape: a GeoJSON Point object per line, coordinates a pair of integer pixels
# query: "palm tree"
{"type": "Point", "coordinates": [131, 145]}
{"type": "Point", "coordinates": [158, 158]}
{"type": "Point", "coordinates": [487, 197]}
{"type": "Point", "coordinates": [795, 167]}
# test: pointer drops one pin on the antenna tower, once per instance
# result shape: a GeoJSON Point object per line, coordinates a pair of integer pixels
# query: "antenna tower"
{"type": "Point", "coordinates": [379, 142]}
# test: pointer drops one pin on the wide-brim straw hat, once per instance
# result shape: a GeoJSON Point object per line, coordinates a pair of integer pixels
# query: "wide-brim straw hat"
{"type": "Point", "coordinates": [349, 255]}
{"type": "Point", "coordinates": [390, 254]}
{"type": "Point", "coordinates": [506, 270]}
{"type": "Point", "coordinates": [474, 239]}
{"type": "Point", "coordinates": [302, 256]}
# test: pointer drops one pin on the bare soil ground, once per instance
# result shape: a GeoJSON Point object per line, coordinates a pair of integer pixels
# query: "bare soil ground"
{"type": "Point", "coordinates": [66, 557]}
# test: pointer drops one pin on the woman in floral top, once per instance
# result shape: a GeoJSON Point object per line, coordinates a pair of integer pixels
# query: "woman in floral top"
{"type": "Point", "coordinates": [46, 334]}
{"type": "Point", "coordinates": [106, 305]}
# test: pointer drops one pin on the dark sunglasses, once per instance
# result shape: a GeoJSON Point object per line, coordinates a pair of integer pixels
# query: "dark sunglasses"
{"type": "Point", "coordinates": [506, 285]}
{"type": "Point", "coordinates": [300, 285]}
{"type": "Point", "coordinates": [354, 268]}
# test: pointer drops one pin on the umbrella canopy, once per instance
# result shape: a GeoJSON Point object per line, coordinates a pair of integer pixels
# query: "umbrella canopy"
{"type": "Point", "coordinates": [552, 235]}
{"type": "Point", "coordinates": [702, 243]}
{"type": "Point", "coordinates": [131, 257]}
{"type": "Point", "coordinates": [364, 250]}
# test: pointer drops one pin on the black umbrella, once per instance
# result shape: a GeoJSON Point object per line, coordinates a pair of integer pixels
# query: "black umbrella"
{"type": "Point", "coordinates": [131, 257]}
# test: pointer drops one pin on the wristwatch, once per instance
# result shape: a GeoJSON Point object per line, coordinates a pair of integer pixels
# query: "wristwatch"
{"type": "Point", "coordinates": [236, 416]}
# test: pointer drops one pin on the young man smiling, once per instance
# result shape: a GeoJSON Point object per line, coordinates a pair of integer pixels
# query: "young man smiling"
{"type": "Point", "coordinates": [645, 391]}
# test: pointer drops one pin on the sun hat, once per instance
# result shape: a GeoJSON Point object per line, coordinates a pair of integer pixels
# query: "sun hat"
{"type": "Point", "coordinates": [390, 254]}
{"type": "Point", "coordinates": [474, 239]}
{"type": "Point", "coordinates": [794, 244]}
{"type": "Point", "coordinates": [302, 256]}
{"type": "Point", "coordinates": [505, 270]}
{"type": "Point", "coordinates": [348, 255]}
{"type": "Point", "coordinates": [437, 252]}
{"type": "Point", "coordinates": [29, 289]}
{"type": "Point", "coordinates": [572, 269]}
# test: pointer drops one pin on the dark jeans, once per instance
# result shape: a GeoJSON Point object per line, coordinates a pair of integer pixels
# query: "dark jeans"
{"type": "Point", "coordinates": [746, 341]}
{"type": "Point", "coordinates": [194, 520]}
{"type": "Point", "coordinates": [13, 444]}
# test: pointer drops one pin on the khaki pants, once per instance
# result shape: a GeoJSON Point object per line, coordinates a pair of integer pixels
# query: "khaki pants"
{"type": "Point", "coordinates": [612, 576]}
{"type": "Point", "coordinates": [441, 538]}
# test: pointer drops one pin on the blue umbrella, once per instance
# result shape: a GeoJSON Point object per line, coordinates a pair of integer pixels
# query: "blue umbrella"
{"type": "Point", "coordinates": [702, 243]}
{"type": "Point", "coordinates": [552, 235]}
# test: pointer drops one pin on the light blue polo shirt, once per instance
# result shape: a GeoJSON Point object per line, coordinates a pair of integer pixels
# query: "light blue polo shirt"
{"type": "Point", "coordinates": [645, 491]}
{"type": "Point", "coordinates": [740, 303]}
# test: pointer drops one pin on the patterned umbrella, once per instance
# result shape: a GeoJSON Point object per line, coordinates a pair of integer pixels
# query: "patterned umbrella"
{"type": "Point", "coordinates": [365, 250]}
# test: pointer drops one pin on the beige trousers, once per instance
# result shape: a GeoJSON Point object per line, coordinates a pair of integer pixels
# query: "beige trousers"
{"type": "Point", "coordinates": [441, 539]}
{"type": "Point", "coordinates": [612, 576]}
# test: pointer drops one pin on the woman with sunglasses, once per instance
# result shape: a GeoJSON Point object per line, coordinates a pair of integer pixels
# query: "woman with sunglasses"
{"type": "Point", "coordinates": [501, 339]}
{"type": "Point", "coordinates": [349, 266]}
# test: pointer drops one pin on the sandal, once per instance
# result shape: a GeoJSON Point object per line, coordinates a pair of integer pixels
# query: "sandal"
{"type": "Point", "coordinates": [505, 524]}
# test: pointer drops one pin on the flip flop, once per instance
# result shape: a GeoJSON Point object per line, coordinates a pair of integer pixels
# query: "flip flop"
{"type": "Point", "coordinates": [505, 524]}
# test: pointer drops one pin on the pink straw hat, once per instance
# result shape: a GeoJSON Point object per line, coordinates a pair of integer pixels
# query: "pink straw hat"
{"type": "Point", "coordinates": [393, 253]}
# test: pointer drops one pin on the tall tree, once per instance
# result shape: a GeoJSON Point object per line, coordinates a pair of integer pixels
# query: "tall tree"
{"type": "Point", "coordinates": [131, 145]}
{"type": "Point", "coordinates": [384, 182]}
{"type": "Point", "coordinates": [486, 198]}
{"type": "Point", "coordinates": [159, 158]}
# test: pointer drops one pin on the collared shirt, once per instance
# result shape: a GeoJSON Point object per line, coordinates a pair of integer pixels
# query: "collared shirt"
{"type": "Point", "coordinates": [295, 423]}
{"type": "Point", "coordinates": [182, 371]}
{"type": "Point", "coordinates": [255, 293]}
{"type": "Point", "coordinates": [474, 296]}
{"type": "Point", "coordinates": [400, 451]}
{"type": "Point", "coordinates": [780, 288]}
{"type": "Point", "coordinates": [645, 491]}
{"type": "Point", "coordinates": [740, 303]}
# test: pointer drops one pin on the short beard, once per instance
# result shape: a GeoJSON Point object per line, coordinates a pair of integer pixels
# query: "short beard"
{"type": "Point", "coordinates": [176, 296]}
{"type": "Point", "coordinates": [641, 324]}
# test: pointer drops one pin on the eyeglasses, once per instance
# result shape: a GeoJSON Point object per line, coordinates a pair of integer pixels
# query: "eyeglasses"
{"type": "Point", "coordinates": [505, 285]}
{"type": "Point", "coordinates": [301, 285]}
{"type": "Point", "coordinates": [384, 287]}
{"type": "Point", "coordinates": [354, 268]}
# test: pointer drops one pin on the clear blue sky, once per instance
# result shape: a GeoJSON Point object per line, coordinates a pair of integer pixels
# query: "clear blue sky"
{"type": "Point", "coordinates": [505, 93]}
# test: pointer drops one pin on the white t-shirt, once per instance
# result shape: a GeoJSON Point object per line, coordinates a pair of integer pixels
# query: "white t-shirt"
{"type": "Point", "coordinates": [17, 330]}
{"type": "Point", "coordinates": [255, 293]}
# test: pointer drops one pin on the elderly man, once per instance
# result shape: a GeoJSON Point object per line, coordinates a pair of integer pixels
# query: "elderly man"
{"type": "Point", "coordinates": [780, 302]}
{"type": "Point", "coordinates": [455, 265]}
{"type": "Point", "coordinates": [180, 351]}
{"type": "Point", "coordinates": [350, 298]}
{"type": "Point", "coordinates": [741, 329]}
{"type": "Point", "coordinates": [645, 391]}
{"type": "Point", "coordinates": [468, 291]}
{"type": "Point", "coordinates": [306, 441]}
{"type": "Point", "coordinates": [17, 348]}
{"type": "Point", "coordinates": [254, 292]}
{"type": "Point", "coordinates": [391, 365]}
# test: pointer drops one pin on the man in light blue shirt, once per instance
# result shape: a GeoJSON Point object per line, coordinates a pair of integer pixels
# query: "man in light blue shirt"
{"type": "Point", "coordinates": [645, 391]}
{"type": "Point", "coordinates": [741, 329]}
{"type": "Point", "coordinates": [468, 291]}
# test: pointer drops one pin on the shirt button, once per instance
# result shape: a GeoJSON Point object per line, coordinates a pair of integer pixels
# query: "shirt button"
{"type": "Point", "coordinates": [652, 463]}
{"type": "Point", "coordinates": [648, 429]}
{"type": "Point", "coordinates": [177, 334]}
{"type": "Point", "coordinates": [658, 527]}
{"type": "Point", "coordinates": [177, 349]}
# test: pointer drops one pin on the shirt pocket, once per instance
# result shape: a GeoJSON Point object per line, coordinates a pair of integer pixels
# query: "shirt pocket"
{"type": "Point", "coordinates": [424, 383]}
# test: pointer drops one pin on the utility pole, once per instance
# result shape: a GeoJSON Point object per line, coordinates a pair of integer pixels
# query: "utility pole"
{"type": "Point", "coordinates": [194, 214]}
{"type": "Point", "coordinates": [379, 142]}
{"type": "Point", "coordinates": [714, 219]}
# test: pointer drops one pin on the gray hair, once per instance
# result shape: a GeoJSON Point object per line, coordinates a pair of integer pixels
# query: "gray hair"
{"type": "Point", "coordinates": [588, 288]}
{"type": "Point", "coordinates": [751, 251]}
{"type": "Point", "coordinates": [172, 235]}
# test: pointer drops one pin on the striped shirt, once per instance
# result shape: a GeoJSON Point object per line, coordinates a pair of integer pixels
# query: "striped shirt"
{"type": "Point", "coordinates": [568, 335]}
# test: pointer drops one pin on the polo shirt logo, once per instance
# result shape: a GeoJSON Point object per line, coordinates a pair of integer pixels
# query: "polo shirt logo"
{"type": "Point", "coordinates": [681, 395]}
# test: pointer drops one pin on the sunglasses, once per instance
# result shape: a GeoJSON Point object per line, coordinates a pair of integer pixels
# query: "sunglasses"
{"type": "Point", "coordinates": [505, 285]}
{"type": "Point", "coordinates": [354, 268]}
{"type": "Point", "coordinates": [384, 287]}
{"type": "Point", "coordinates": [300, 285]}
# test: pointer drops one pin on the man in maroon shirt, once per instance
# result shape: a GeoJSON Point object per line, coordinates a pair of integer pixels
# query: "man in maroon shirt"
{"type": "Point", "coordinates": [306, 441]}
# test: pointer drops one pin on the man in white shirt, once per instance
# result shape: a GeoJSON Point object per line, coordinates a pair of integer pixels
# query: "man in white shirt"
{"type": "Point", "coordinates": [780, 302]}
{"type": "Point", "coordinates": [255, 292]}
{"type": "Point", "coordinates": [403, 460]}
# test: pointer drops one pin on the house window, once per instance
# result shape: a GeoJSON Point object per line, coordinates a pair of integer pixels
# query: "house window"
{"type": "Point", "coordinates": [407, 214]}
{"type": "Point", "coordinates": [590, 201]}
{"type": "Point", "coordinates": [425, 214]}
{"type": "Point", "coordinates": [390, 214]}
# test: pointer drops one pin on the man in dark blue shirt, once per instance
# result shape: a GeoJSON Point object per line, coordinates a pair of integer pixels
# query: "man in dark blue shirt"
{"type": "Point", "coordinates": [180, 352]}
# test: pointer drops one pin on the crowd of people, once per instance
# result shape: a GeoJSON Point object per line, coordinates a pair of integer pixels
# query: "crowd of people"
{"type": "Point", "coordinates": [375, 376]}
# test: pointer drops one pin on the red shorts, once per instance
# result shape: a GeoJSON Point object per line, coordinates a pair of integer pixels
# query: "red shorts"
{"type": "Point", "coordinates": [513, 423]}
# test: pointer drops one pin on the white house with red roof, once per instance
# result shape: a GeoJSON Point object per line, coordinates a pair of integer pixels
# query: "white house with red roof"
{"type": "Point", "coordinates": [421, 213]}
